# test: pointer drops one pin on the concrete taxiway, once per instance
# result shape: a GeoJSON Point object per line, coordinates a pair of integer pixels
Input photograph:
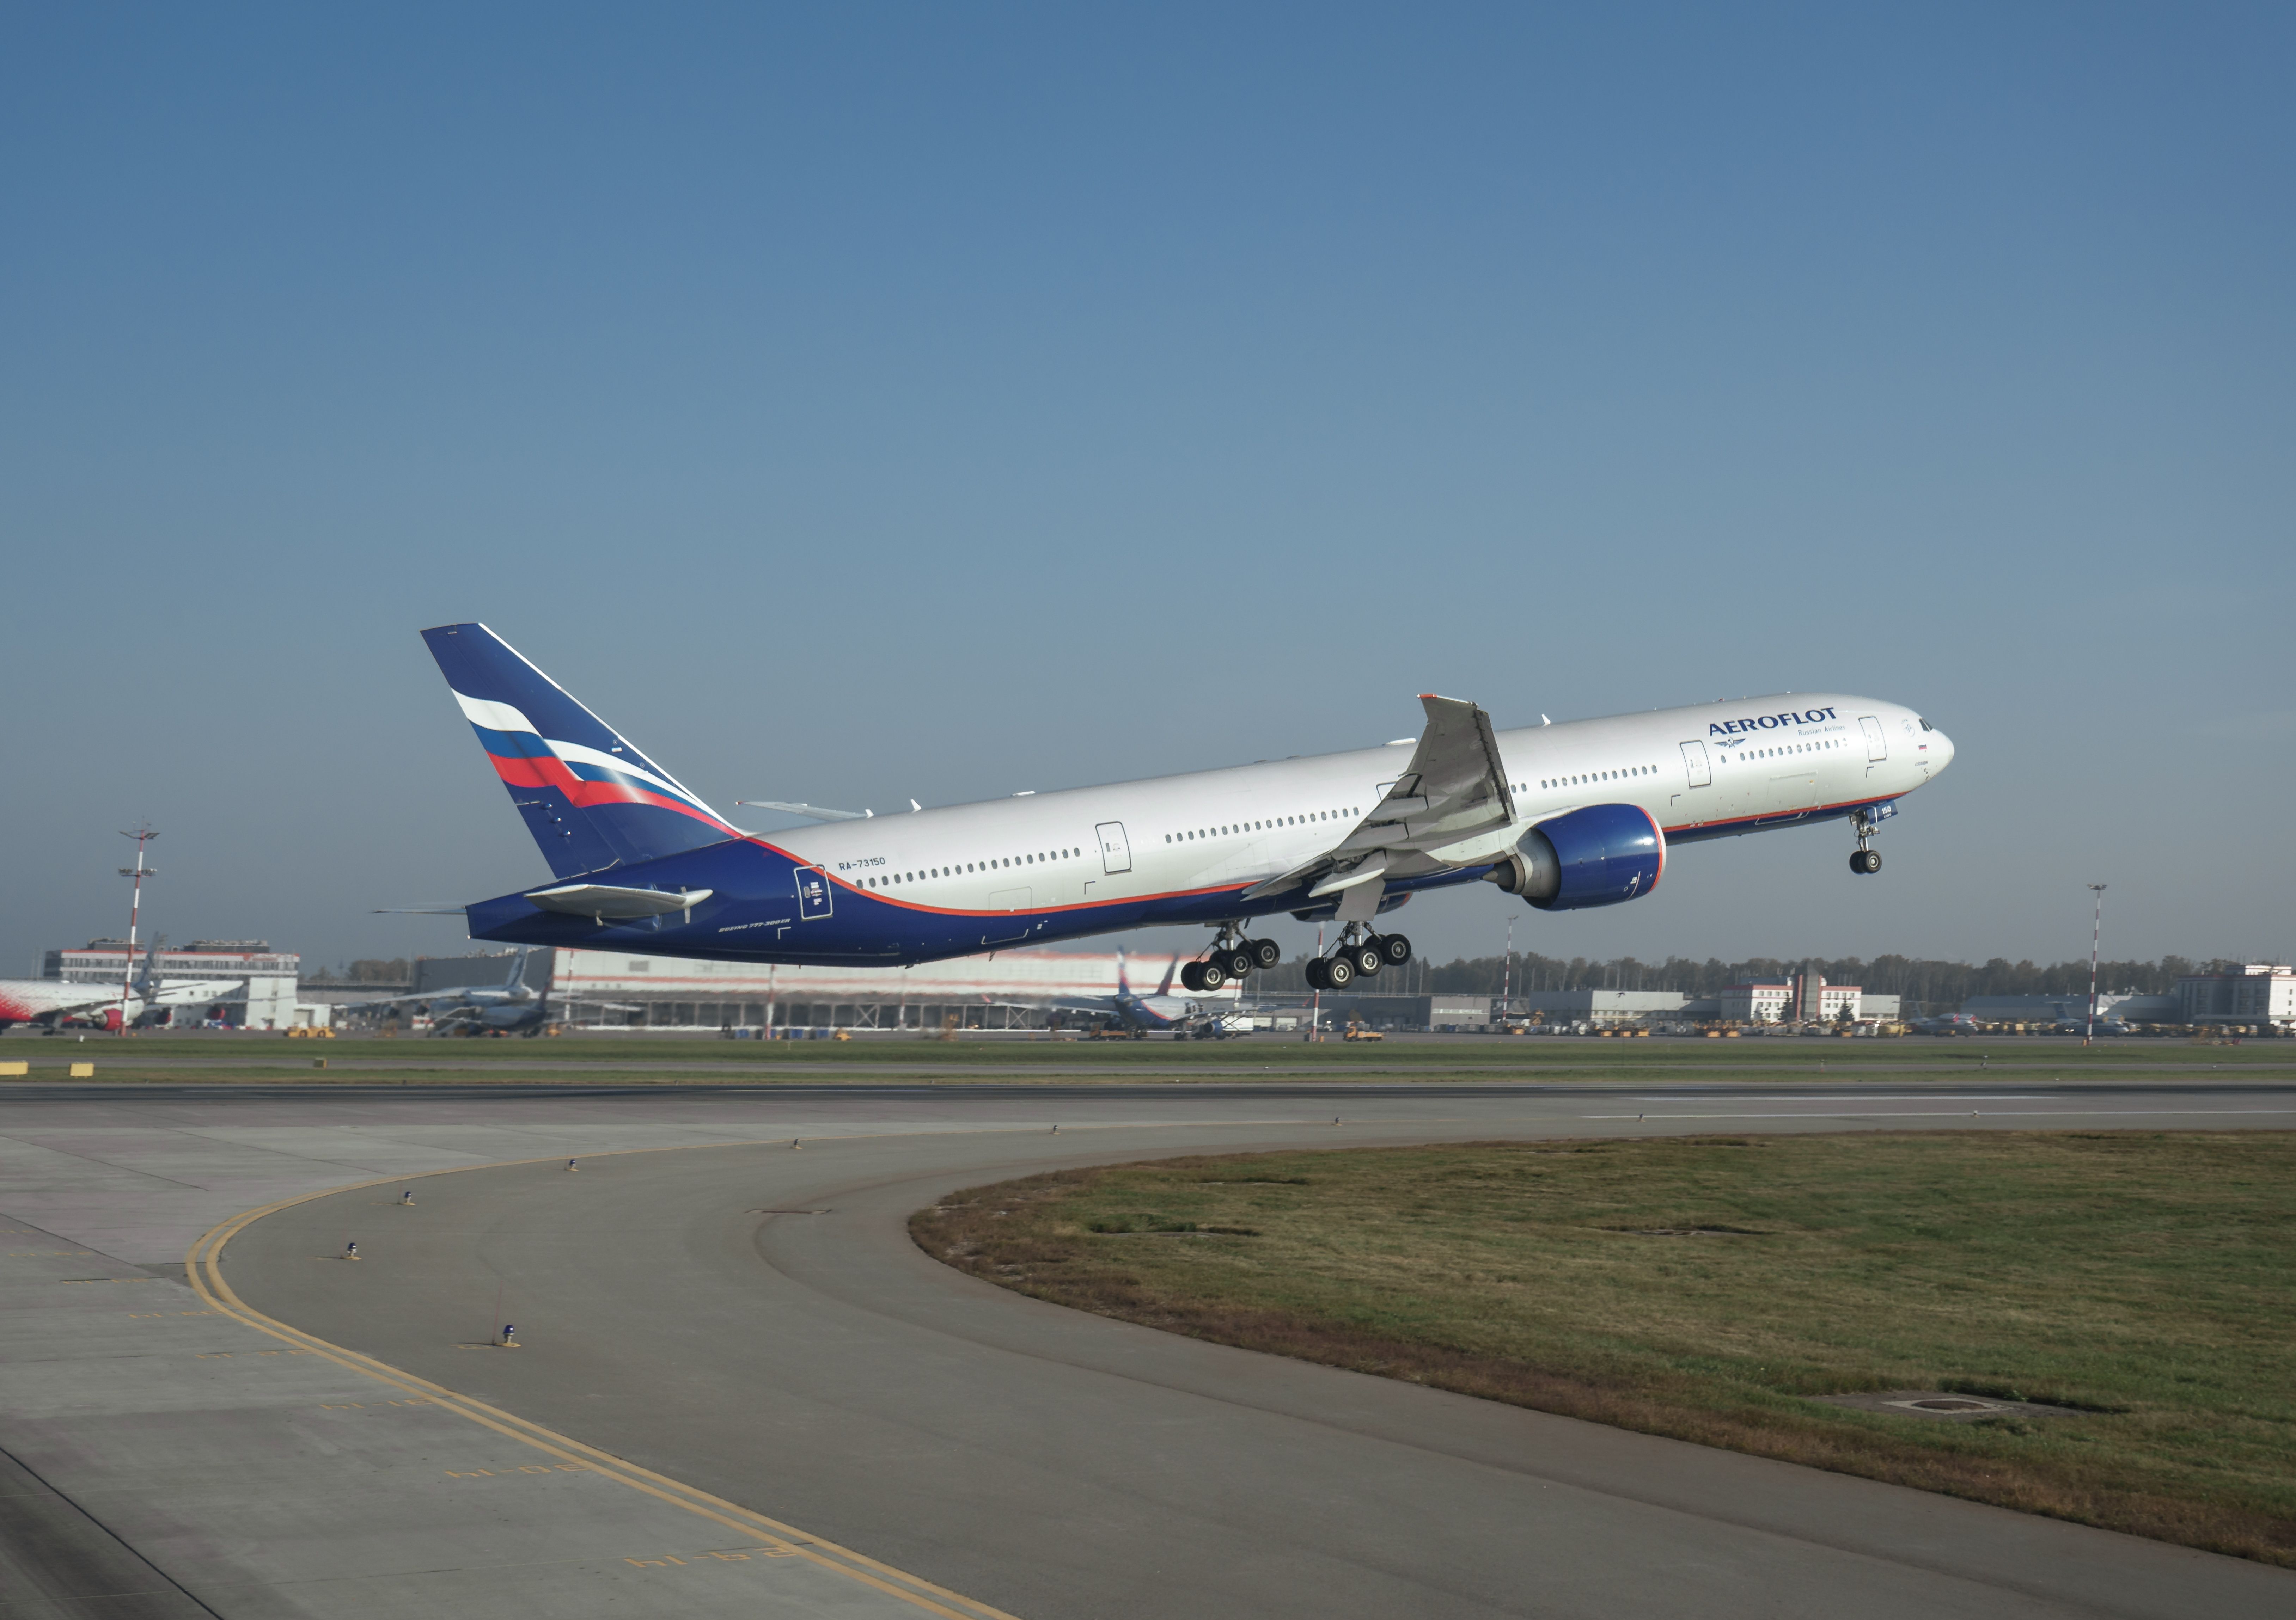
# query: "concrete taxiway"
{"type": "Point", "coordinates": [741, 1390]}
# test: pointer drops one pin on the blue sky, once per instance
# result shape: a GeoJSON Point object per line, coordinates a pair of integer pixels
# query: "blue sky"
{"type": "Point", "coordinates": [940, 401]}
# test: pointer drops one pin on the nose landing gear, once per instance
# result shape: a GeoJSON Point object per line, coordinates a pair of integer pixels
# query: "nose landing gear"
{"type": "Point", "coordinates": [1864, 861]}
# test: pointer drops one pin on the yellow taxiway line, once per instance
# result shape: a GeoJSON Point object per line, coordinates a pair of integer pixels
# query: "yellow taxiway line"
{"type": "Point", "coordinates": [203, 1267]}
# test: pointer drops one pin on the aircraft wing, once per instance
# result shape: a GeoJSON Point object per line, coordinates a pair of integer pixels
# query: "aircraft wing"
{"type": "Point", "coordinates": [1451, 807]}
{"type": "Point", "coordinates": [184, 993]}
{"type": "Point", "coordinates": [1050, 1003]}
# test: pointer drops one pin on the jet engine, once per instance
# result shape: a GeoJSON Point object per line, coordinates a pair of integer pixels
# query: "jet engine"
{"type": "Point", "coordinates": [1599, 855]}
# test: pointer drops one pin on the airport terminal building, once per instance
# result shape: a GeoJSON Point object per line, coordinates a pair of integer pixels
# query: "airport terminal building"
{"type": "Point", "coordinates": [1009, 990]}
{"type": "Point", "coordinates": [2254, 996]}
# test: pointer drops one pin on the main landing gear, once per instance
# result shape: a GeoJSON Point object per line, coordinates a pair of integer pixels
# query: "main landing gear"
{"type": "Point", "coordinates": [1361, 954]}
{"type": "Point", "coordinates": [1232, 956]}
{"type": "Point", "coordinates": [1862, 860]}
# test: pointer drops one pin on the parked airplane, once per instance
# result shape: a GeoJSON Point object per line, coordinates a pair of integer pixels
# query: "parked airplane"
{"type": "Point", "coordinates": [1945, 1024]}
{"type": "Point", "coordinates": [509, 1008]}
{"type": "Point", "coordinates": [1141, 1014]}
{"type": "Point", "coordinates": [57, 1004]}
{"type": "Point", "coordinates": [1564, 816]}
{"type": "Point", "coordinates": [53, 1003]}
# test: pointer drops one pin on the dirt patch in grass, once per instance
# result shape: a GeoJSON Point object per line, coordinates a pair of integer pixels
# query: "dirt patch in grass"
{"type": "Point", "coordinates": [1710, 1288]}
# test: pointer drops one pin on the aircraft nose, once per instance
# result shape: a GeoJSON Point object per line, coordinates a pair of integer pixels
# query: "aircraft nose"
{"type": "Point", "coordinates": [1941, 750]}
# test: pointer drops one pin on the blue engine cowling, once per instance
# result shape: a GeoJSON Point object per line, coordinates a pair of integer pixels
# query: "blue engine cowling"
{"type": "Point", "coordinates": [1600, 856]}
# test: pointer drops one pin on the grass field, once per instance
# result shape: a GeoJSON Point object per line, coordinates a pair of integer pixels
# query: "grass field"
{"type": "Point", "coordinates": [688, 1060]}
{"type": "Point", "coordinates": [1705, 1288]}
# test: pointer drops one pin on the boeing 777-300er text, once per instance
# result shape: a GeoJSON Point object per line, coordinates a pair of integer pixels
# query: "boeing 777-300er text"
{"type": "Point", "coordinates": [1565, 816]}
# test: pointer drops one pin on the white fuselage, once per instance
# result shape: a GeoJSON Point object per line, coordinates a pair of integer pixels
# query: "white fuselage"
{"type": "Point", "coordinates": [46, 1000]}
{"type": "Point", "coordinates": [1765, 762]}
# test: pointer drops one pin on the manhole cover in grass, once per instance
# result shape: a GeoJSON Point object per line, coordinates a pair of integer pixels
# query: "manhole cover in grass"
{"type": "Point", "coordinates": [1943, 1403]}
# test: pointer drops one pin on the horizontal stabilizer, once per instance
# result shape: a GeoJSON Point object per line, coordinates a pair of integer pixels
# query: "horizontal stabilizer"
{"type": "Point", "coordinates": [811, 812]}
{"type": "Point", "coordinates": [600, 900]}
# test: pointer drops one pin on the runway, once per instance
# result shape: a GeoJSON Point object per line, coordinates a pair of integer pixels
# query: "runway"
{"type": "Point", "coordinates": [751, 1324]}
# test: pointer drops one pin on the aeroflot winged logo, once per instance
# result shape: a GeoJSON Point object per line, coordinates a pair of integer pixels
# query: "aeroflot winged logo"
{"type": "Point", "coordinates": [1767, 723]}
{"type": "Point", "coordinates": [524, 758]}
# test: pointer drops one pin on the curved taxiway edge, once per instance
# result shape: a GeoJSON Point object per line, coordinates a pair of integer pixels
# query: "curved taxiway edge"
{"type": "Point", "coordinates": [755, 1325]}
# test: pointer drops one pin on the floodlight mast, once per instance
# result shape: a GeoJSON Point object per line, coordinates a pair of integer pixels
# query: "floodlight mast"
{"type": "Point", "coordinates": [143, 833]}
{"type": "Point", "coordinates": [2095, 933]}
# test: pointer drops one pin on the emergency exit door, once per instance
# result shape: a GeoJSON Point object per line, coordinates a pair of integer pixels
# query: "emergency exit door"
{"type": "Point", "coordinates": [1115, 848]}
{"type": "Point", "coordinates": [1877, 745]}
{"type": "Point", "coordinates": [1693, 758]}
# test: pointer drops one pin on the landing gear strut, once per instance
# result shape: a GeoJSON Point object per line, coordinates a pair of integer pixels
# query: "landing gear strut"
{"type": "Point", "coordinates": [1864, 861]}
{"type": "Point", "coordinates": [1232, 956]}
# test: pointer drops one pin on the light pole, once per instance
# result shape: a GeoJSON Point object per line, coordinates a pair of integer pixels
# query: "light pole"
{"type": "Point", "coordinates": [142, 835]}
{"type": "Point", "coordinates": [1316, 1006]}
{"type": "Point", "coordinates": [2096, 933]}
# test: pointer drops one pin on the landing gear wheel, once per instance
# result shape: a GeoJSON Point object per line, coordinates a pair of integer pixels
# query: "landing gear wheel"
{"type": "Point", "coordinates": [1314, 975]}
{"type": "Point", "coordinates": [1210, 975]}
{"type": "Point", "coordinates": [1192, 976]}
{"type": "Point", "coordinates": [1395, 947]}
{"type": "Point", "coordinates": [1339, 972]}
{"type": "Point", "coordinates": [1238, 962]}
{"type": "Point", "coordinates": [1863, 861]}
{"type": "Point", "coordinates": [1264, 953]}
{"type": "Point", "coordinates": [1365, 958]}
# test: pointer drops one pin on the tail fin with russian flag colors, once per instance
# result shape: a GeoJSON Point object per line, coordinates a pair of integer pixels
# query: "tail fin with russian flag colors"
{"type": "Point", "coordinates": [591, 799]}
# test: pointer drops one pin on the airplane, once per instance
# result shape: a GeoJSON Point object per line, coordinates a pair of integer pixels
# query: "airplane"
{"type": "Point", "coordinates": [1142, 1015]}
{"type": "Point", "coordinates": [53, 1002]}
{"type": "Point", "coordinates": [1565, 817]}
{"type": "Point", "coordinates": [509, 1008]}
{"type": "Point", "coordinates": [1945, 1024]}
{"type": "Point", "coordinates": [56, 1004]}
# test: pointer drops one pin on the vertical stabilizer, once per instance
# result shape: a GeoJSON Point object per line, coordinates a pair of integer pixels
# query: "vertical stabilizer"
{"type": "Point", "coordinates": [591, 799]}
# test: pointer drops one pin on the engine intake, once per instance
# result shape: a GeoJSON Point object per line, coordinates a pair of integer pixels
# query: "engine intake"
{"type": "Point", "coordinates": [1600, 856]}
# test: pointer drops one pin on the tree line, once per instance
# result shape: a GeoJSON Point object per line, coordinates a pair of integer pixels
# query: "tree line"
{"type": "Point", "coordinates": [1926, 984]}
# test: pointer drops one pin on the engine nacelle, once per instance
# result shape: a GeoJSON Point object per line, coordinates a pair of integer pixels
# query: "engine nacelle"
{"type": "Point", "coordinates": [1599, 855]}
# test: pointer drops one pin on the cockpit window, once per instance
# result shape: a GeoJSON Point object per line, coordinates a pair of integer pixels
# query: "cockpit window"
{"type": "Point", "coordinates": [1927, 726]}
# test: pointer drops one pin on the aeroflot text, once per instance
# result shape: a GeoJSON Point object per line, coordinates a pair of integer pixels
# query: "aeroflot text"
{"type": "Point", "coordinates": [1770, 722]}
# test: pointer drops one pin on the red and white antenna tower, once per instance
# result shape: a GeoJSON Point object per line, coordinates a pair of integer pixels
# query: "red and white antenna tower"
{"type": "Point", "coordinates": [143, 833]}
{"type": "Point", "coordinates": [2096, 937]}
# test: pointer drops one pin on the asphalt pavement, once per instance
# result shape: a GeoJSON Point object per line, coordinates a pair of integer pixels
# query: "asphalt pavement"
{"type": "Point", "coordinates": [741, 1389]}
